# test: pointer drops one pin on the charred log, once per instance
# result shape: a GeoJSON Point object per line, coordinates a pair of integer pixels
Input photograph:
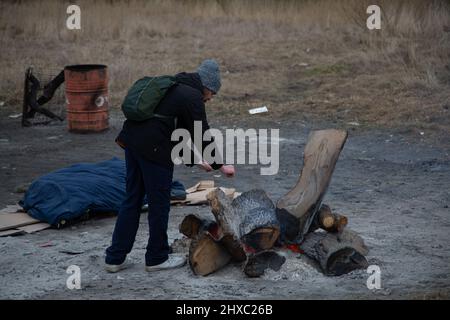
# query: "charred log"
{"type": "Point", "coordinates": [336, 253]}
{"type": "Point", "coordinates": [258, 263]}
{"type": "Point", "coordinates": [289, 226]}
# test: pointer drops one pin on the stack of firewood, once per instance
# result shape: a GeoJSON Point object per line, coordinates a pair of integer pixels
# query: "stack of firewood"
{"type": "Point", "coordinates": [250, 228]}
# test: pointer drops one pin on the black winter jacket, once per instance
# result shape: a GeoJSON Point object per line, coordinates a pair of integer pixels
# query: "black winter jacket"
{"type": "Point", "coordinates": [151, 138]}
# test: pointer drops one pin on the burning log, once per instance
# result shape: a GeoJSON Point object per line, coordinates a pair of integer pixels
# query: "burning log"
{"type": "Point", "coordinates": [336, 253]}
{"type": "Point", "coordinates": [320, 157]}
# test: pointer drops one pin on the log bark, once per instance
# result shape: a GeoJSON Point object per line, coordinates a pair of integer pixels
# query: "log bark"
{"type": "Point", "coordinates": [249, 221]}
{"type": "Point", "coordinates": [320, 156]}
{"type": "Point", "coordinates": [289, 226]}
{"type": "Point", "coordinates": [336, 253]}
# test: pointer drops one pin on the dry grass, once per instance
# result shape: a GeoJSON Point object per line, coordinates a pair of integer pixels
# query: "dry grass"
{"type": "Point", "coordinates": [399, 75]}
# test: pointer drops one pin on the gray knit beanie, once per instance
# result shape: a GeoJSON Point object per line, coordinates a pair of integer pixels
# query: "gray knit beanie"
{"type": "Point", "coordinates": [210, 75]}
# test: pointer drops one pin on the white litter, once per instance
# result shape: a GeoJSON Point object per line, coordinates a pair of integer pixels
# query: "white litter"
{"type": "Point", "coordinates": [258, 110]}
{"type": "Point", "coordinates": [15, 115]}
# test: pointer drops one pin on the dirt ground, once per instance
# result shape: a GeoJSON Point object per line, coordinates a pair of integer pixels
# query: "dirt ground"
{"type": "Point", "coordinates": [392, 184]}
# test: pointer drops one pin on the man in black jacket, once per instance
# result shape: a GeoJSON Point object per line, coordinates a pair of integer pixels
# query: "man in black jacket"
{"type": "Point", "coordinates": [149, 166]}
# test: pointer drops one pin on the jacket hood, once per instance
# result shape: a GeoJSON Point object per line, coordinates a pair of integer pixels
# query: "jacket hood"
{"type": "Point", "coordinates": [190, 79]}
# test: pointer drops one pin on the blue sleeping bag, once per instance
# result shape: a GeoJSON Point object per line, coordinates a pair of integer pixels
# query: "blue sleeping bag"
{"type": "Point", "coordinates": [70, 192]}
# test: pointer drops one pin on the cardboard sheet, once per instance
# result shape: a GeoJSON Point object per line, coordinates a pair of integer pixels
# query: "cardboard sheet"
{"type": "Point", "coordinates": [15, 220]}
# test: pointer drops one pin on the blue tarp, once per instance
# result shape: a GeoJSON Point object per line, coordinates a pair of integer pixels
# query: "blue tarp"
{"type": "Point", "coordinates": [68, 193]}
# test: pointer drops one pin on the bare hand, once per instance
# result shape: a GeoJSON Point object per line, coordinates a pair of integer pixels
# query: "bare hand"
{"type": "Point", "coordinates": [228, 170]}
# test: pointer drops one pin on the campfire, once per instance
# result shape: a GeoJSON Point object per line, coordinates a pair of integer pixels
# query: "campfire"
{"type": "Point", "coordinates": [250, 229]}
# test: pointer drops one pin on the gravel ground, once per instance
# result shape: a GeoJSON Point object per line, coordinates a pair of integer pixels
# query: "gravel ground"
{"type": "Point", "coordinates": [393, 185]}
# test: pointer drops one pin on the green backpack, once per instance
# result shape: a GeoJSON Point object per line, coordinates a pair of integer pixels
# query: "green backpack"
{"type": "Point", "coordinates": [144, 96]}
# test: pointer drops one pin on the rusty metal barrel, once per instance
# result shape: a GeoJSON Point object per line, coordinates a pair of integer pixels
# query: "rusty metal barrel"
{"type": "Point", "coordinates": [86, 97]}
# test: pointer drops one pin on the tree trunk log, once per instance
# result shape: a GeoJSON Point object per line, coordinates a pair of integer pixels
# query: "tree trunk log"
{"type": "Point", "coordinates": [336, 253]}
{"type": "Point", "coordinates": [328, 221]}
{"type": "Point", "coordinates": [206, 255]}
{"type": "Point", "coordinates": [249, 221]}
{"type": "Point", "coordinates": [207, 252]}
{"type": "Point", "coordinates": [192, 226]}
{"type": "Point", "coordinates": [320, 157]}
{"type": "Point", "coordinates": [250, 227]}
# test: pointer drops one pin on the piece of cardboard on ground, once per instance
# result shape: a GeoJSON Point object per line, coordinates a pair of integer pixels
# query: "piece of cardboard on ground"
{"type": "Point", "coordinates": [193, 188]}
{"type": "Point", "coordinates": [196, 194]}
{"type": "Point", "coordinates": [11, 232]}
{"type": "Point", "coordinates": [32, 228]}
{"type": "Point", "coordinates": [200, 186]}
{"type": "Point", "coordinates": [199, 197]}
{"type": "Point", "coordinates": [15, 220]}
{"type": "Point", "coordinates": [205, 184]}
